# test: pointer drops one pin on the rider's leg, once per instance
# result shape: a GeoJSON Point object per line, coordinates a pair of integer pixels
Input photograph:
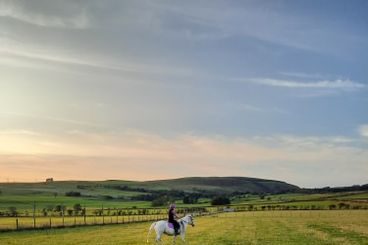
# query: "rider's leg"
{"type": "Point", "coordinates": [176, 227]}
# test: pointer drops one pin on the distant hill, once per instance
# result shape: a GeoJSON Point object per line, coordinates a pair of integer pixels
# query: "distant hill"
{"type": "Point", "coordinates": [222, 185]}
{"type": "Point", "coordinates": [215, 185]}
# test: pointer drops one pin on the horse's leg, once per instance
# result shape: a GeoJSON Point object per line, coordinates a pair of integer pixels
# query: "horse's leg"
{"type": "Point", "coordinates": [158, 239]}
{"type": "Point", "coordinates": [158, 236]}
{"type": "Point", "coordinates": [174, 241]}
{"type": "Point", "coordinates": [182, 235]}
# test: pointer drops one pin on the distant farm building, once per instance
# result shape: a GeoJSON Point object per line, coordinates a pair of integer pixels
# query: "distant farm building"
{"type": "Point", "coordinates": [49, 180]}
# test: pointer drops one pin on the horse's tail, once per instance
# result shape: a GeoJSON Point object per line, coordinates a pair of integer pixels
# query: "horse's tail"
{"type": "Point", "coordinates": [150, 229]}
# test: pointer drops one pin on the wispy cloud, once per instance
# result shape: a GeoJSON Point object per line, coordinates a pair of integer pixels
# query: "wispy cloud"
{"type": "Point", "coordinates": [269, 109]}
{"type": "Point", "coordinates": [18, 53]}
{"type": "Point", "coordinates": [323, 84]}
{"type": "Point", "coordinates": [309, 142]}
{"type": "Point", "coordinates": [217, 155]}
{"type": "Point", "coordinates": [303, 75]}
{"type": "Point", "coordinates": [51, 118]}
{"type": "Point", "coordinates": [248, 107]}
{"type": "Point", "coordinates": [363, 130]}
{"type": "Point", "coordinates": [19, 132]}
{"type": "Point", "coordinates": [264, 22]}
{"type": "Point", "coordinates": [13, 9]}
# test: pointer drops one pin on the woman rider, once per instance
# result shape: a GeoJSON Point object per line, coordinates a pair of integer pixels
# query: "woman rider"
{"type": "Point", "coordinates": [172, 217]}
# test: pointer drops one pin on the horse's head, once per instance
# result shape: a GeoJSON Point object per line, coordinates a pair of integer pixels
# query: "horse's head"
{"type": "Point", "coordinates": [190, 220]}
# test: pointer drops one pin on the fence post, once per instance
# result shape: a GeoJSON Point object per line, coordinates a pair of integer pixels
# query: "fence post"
{"type": "Point", "coordinates": [50, 222]}
{"type": "Point", "coordinates": [16, 223]}
{"type": "Point", "coordinates": [84, 216]}
{"type": "Point", "coordinates": [62, 213]}
{"type": "Point", "coordinates": [103, 215]}
{"type": "Point", "coordinates": [34, 215]}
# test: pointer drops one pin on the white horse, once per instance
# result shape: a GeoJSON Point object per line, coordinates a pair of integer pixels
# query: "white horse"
{"type": "Point", "coordinates": [164, 227]}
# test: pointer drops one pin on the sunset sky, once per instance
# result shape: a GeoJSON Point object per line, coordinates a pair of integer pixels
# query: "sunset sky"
{"type": "Point", "coordinates": [138, 90]}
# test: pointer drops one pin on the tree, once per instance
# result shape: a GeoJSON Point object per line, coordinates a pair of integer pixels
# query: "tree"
{"type": "Point", "coordinates": [59, 208]}
{"type": "Point", "coordinates": [191, 199]}
{"type": "Point", "coordinates": [77, 207]}
{"type": "Point", "coordinates": [98, 212]}
{"type": "Point", "coordinates": [13, 211]}
{"type": "Point", "coordinates": [220, 201]}
{"type": "Point", "coordinates": [49, 208]}
{"type": "Point", "coordinates": [343, 205]}
{"type": "Point", "coordinates": [160, 201]}
{"type": "Point", "coordinates": [73, 194]}
{"type": "Point", "coordinates": [332, 206]}
{"type": "Point", "coordinates": [70, 212]}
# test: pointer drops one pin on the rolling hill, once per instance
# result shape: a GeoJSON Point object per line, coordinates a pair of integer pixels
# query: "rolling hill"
{"type": "Point", "coordinates": [218, 185]}
{"type": "Point", "coordinates": [222, 185]}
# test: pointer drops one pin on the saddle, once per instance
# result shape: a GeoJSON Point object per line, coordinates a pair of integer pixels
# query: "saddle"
{"type": "Point", "coordinates": [171, 226]}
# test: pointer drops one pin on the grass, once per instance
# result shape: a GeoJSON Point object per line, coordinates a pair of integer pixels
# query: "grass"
{"type": "Point", "coordinates": [98, 193]}
{"type": "Point", "coordinates": [25, 202]}
{"type": "Point", "coordinates": [9, 223]}
{"type": "Point", "coordinates": [269, 227]}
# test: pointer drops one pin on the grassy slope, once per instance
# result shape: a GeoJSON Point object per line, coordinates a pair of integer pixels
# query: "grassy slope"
{"type": "Point", "coordinates": [22, 195]}
{"type": "Point", "coordinates": [276, 227]}
{"type": "Point", "coordinates": [307, 200]}
{"type": "Point", "coordinates": [222, 184]}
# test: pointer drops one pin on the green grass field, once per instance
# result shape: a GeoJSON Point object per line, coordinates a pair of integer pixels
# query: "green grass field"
{"type": "Point", "coordinates": [14, 198]}
{"type": "Point", "coordinates": [9, 223]}
{"type": "Point", "coordinates": [268, 227]}
{"type": "Point", "coordinates": [95, 194]}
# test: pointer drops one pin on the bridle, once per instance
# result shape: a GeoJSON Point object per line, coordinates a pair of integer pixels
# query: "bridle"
{"type": "Point", "coordinates": [187, 222]}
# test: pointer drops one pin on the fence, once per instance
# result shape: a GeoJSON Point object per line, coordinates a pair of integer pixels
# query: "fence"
{"type": "Point", "coordinates": [60, 216]}
{"type": "Point", "coordinates": [38, 219]}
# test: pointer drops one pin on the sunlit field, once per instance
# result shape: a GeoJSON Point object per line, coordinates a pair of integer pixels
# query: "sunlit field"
{"type": "Point", "coordinates": [10, 223]}
{"type": "Point", "coordinates": [266, 227]}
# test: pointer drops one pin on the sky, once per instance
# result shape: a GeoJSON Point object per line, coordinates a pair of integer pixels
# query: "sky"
{"type": "Point", "coordinates": [142, 90]}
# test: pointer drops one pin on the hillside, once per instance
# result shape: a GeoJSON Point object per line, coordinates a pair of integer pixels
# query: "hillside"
{"type": "Point", "coordinates": [115, 188]}
{"type": "Point", "coordinates": [133, 194]}
{"type": "Point", "coordinates": [222, 185]}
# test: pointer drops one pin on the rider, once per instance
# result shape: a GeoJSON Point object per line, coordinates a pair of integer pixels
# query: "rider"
{"type": "Point", "coordinates": [172, 217]}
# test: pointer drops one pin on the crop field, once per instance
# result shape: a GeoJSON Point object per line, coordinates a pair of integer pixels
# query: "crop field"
{"type": "Point", "coordinates": [266, 227]}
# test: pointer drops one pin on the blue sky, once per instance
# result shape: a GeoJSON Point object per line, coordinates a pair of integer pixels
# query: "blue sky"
{"type": "Point", "coordinates": [164, 89]}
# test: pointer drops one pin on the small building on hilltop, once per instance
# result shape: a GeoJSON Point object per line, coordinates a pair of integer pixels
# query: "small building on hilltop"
{"type": "Point", "coordinates": [49, 180]}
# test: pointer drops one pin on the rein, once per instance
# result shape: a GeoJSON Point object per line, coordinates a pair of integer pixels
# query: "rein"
{"type": "Point", "coordinates": [184, 221]}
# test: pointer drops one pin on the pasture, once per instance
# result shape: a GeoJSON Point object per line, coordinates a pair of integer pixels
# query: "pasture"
{"type": "Point", "coordinates": [257, 227]}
